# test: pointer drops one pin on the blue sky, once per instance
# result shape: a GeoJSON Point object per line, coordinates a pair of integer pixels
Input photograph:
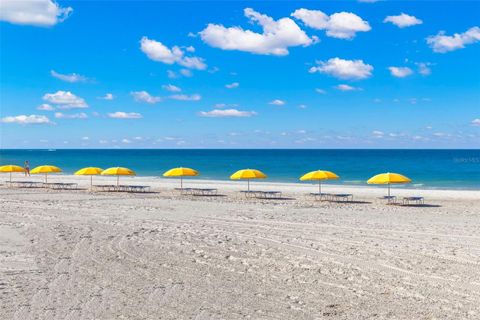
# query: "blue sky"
{"type": "Point", "coordinates": [324, 74]}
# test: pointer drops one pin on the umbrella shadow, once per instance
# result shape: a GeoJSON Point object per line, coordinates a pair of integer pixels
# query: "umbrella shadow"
{"type": "Point", "coordinates": [420, 205]}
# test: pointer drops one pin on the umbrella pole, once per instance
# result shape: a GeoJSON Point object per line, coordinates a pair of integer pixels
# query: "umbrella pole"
{"type": "Point", "coordinates": [118, 180]}
{"type": "Point", "coordinates": [181, 183]}
{"type": "Point", "coordinates": [91, 182]}
{"type": "Point", "coordinates": [389, 190]}
{"type": "Point", "coordinates": [248, 184]}
{"type": "Point", "coordinates": [10, 178]}
{"type": "Point", "coordinates": [320, 187]}
{"type": "Point", "coordinates": [46, 178]}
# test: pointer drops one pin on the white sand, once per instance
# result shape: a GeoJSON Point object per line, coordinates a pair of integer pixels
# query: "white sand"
{"type": "Point", "coordinates": [82, 255]}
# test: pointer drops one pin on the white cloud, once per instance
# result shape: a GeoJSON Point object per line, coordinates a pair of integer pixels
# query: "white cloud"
{"type": "Point", "coordinates": [344, 69]}
{"type": "Point", "coordinates": [45, 107]}
{"type": "Point", "coordinates": [81, 115]}
{"type": "Point", "coordinates": [185, 97]}
{"type": "Point", "coordinates": [171, 88]}
{"type": "Point", "coordinates": [400, 72]}
{"type": "Point", "coordinates": [107, 96]}
{"type": "Point", "coordinates": [321, 91]}
{"type": "Point", "coordinates": [378, 134]}
{"type": "Point", "coordinates": [144, 96]}
{"type": "Point", "coordinates": [442, 43]}
{"type": "Point", "coordinates": [424, 68]}
{"type": "Point", "coordinates": [227, 113]}
{"type": "Point", "coordinates": [476, 122]}
{"type": "Point", "coordinates": [232, 85]}
{"type": "Point", "coordinates": [65, 100]}
{"type": "Point", "coordinates": [42, 13]}
{"type": "Point", "coordinates": [302, 106]}
{"type": "Point", "coordinates": [186, 72]}
{"type": "Point", "coordinates": [24, 119]}
{"type": "Point", "coordinates": [276, 38]}
{"type": "Point", "coordinates": [126, 141]}
{"type": "Point", "coordinates": [125, 115]}
{"type": "Point", "coordinates": [277, 102]}
{"type": "Point", "coordinates": [103, 141]}
{"type": "Point", "coordinates": [72, 77]}
{"type": "Point", "coordinates": [403, 20]}
{"type": "Point", "coordinates": [85, 138]}
{"type": "Point", "coordinates": [346, 87]}
{"type": "Point", "coordinates": [342, 25]}
{"type": "Point", "coordinates": [157, 51]}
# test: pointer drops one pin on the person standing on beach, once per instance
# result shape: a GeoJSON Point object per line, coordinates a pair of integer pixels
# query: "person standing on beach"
{"type": "Point", "coordinates": [27, 168]}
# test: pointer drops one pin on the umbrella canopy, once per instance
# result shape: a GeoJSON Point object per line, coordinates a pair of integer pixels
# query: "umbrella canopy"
{"type": "Point", "coordinates": [247, 174]}
{"type": "Point", "coordinates": [319, 175]}
{"type": "Point", "coordinates": [118, 171]}
{"type": "Point", "coordinates": [45, 169]}
{"type": "Point", "coordinates": [89, 171]}
{"type": "Point", "coordinates": [181, 172]}
{"type": "Point", "coordinates": [388, 179]}
{"type": "Point", "coordinates": [11, 168]}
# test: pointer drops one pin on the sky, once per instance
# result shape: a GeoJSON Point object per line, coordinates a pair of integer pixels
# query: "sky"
{"type": "Point", "coordinates": [315, 74]}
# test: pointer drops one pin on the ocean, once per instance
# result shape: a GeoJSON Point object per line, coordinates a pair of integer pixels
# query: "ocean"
{"type": "Point", "coordinates": [457, 169]}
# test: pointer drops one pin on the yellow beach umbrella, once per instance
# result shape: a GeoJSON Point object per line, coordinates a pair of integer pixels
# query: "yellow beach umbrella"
{"type": "Point", "coordinates": [45, 169]}
{"type": "Point", "coordinates": [247, 174]}
{"type": "Point", "coordinates": [388, 179]}
{"type": "Point", "coordinates": [181, 172]}
{"type": "Point", "coordinates": [89, 171]}
{"type": "Point", "coordinates": [11, 168]}
{"type": "Point", "coordinates": [118, 171]}
{"type": "Point", "coordinates": [319, 175]}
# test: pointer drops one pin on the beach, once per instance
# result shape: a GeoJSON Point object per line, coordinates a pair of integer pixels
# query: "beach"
{"type": "Point", "coordinates": [159, 255]}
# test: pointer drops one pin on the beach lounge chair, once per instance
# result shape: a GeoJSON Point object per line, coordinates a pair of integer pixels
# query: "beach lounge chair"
{"type": "Point", "coordinates": [138, 188]}
{"type": "Point", "coordinates": [24, 184]}
{"type": "Point", "coordinates": [390, 199]}
{"type": "Point", "coordinates": [321, 196]}
{"type": "Point", "coordinates": [103, 187]}
{"type": "Point", "coordinates": [262, 194]}
{"type": "Point", "coordinates": [341, 197]}
{"type": "Point", "coordinates": [415, 200]}
{"type": "Point", "coordinates": [184, 191]}
{"type": "Point", "coordinates": [204, 191]}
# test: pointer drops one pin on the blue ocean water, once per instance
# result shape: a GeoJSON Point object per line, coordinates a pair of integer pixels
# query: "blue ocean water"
{"type": "Point", "coordinates": [427, 168]}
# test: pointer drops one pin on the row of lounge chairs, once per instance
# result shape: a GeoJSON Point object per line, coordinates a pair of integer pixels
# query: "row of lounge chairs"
{"type": "Point", "coordinates": [258, 194]}
{"type": "Point", "coordinates": [36, 184]}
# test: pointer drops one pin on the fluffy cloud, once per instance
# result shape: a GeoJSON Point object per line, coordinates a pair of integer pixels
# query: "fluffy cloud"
{"type": "Point", "coordinates": [400, 72]}
{"type": "Point", "coordinates": [157, 51]}
{"type": "Point", "coordinates": [277, 102]}
{"type": "Point", "coordinates": [442, 43]}
{"type": "Point", "coordinates": [378, 134]}
{"type": "Point", "coordinates": [45, 107]}
{"type": "Point", "coordinates": [33, 12]}
{"type": "Point", "coordinates": [108, 96]}
{"type": "Point", "coordinates": [125, 115]}
{"type": "Point", "coordinates": [232, 85]}
{"type": "Point", "coordinates": [344, 69]}
{"type": "Point", "coordinates": [73, 77]}
{"type": "Point", "coordinates": [321, 91]}
{"type": "Point", "coordinates": [24, 119]}
{"type": "Point", "coordinates": [80, 115]}
{"type": "Point", "coordinates": [227, 113]}
{"type": "Point", "coordinates": [185, 97]}
{"type": "Point", "coordinates": [65, 100]}
{"type": "Point", "coordinates": [276, 38]}
{"type": "Point", "coordinates": [476, 122]}
{"type": "Point", "coordinates": [403, 20]}
{"type": "Point", "coordinates": [171, 88]}
{"type": "Point", "coordinates": [144, 96]}
{"type": "Point", "coordinates": [346, 87]}
{"type": "Point", "coordinates": [342, 25]}
{"type": "Point", "coordinates": [424, 68]}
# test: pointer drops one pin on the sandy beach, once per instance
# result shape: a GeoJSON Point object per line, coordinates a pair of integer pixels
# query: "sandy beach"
{"type": "Point", "coordinates": [160, 255]}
